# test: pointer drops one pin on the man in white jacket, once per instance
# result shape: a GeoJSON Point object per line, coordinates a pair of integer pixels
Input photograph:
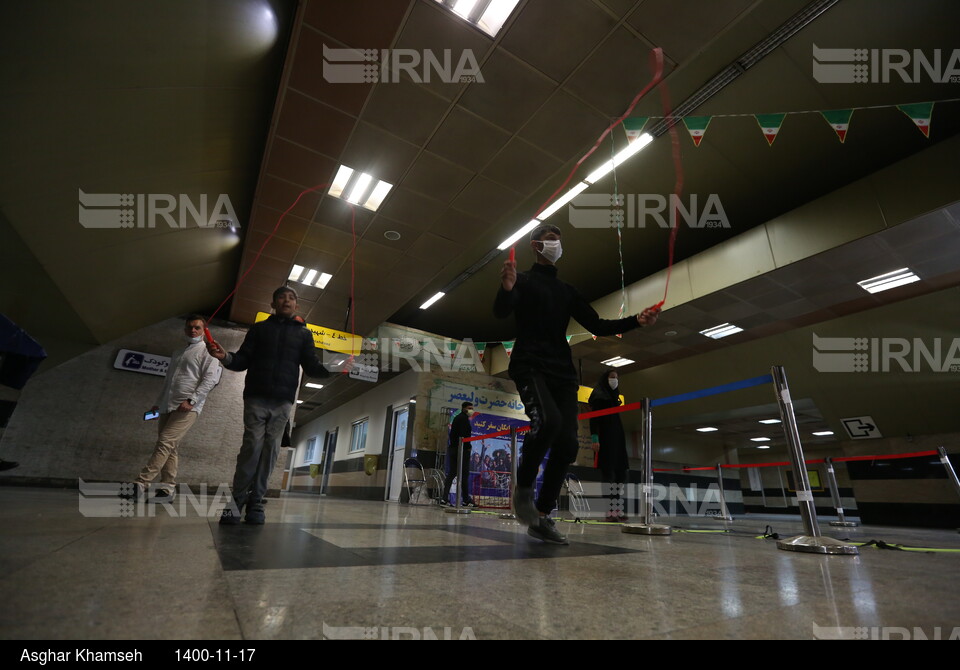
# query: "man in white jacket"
{"type": "Point", "coordinates": [191, 376]}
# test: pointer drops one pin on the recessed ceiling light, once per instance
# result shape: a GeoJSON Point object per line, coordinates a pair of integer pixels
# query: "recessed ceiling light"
{"type": "Point", "coordinates": [822, 433]}
{"type": "Point", "coordinates": [759, 439]}
{"type": "Point", "coordinates": [762, 447]}
{"type": "Point", "coordinates": [308, 279]}
{"type": "Point", "coordinates": [296, 272]}
{"type": "Point", "coordinates": [323, 280]}
{"type": "Point", "coordinates": [707, 429]}
{"type": "Point", "coordinates": [889, 280]}
{"type": "Point", "coordinates": [358, 184]}
{"type": "Point", "coordinates": [487, 16]}
{"type": "Point", "coordinates": [311, 385]}
{"type": "Point", "coordinates": [769, 420]}
{"type": "Point", "coordinates": [722, 330]}
{"type": "Point", "coordinates": [617, 362]}
{"type": "Point", "coordinates": [299, 402]}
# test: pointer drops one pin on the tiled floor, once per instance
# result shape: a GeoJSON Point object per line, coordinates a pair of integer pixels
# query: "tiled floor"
{"type": "Point", "coordinates": [328, 568]}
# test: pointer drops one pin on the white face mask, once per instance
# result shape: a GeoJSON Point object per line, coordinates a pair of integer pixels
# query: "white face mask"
{"type": "Point", "coordinates": [193, 340]}
{"type": "Point", "coordinates": [551, 250]}
{"type": "Point", "coordinates": [613, 383]}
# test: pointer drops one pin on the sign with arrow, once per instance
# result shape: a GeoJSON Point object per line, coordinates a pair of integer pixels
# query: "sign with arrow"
{"type": "Point", "coordinates": [861, 427]}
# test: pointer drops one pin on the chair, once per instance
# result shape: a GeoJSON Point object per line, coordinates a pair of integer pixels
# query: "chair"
{"type": "Point", "coordinates": [436, 483]}
{"type": "Point", "coordinates": [414, 478]}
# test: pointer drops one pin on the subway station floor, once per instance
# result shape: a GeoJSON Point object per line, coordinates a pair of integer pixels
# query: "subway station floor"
{"type": "Point", "coordinates": [332, 568]}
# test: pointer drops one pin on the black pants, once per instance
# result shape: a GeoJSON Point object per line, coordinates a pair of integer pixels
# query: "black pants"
{"type": "Point", "coordinates": [453, 470]}
{"type": "Point", "coordinates": [551, 405]}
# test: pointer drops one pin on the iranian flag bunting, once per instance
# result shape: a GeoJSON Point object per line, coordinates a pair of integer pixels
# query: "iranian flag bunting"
{"type": "Point", "coordinates": [920, 114]}
{"type": "Point", "coordinates": [770, 125]}
{"type": "Point", "coordinates": [697, 127]}
{"type": "Point", "coordinates": [839, 120]}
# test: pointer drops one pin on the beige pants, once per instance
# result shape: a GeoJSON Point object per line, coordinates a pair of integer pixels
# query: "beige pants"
{"type": "Point", "coordinates": [172, 428]}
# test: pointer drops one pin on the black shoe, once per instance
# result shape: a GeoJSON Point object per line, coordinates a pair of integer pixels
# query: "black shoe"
{"type": "Point", "coordinates": [255, 514]}
{"type": "Point", "coordinates": [524, 508]}
{"type": "Point", "coordinates": [230, 516]}
{"type": "Point", "coordinates": [8, 465]}
{"type": "Point", "coordinates": [163, 496]}
{"type": "Point", "coordinates": [546, 530]}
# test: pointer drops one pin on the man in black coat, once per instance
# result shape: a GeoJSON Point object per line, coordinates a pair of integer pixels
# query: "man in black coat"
{"type": "Point", "coordinates": [542, 368]}
{"type": "Point", "coordinates": [611, 444]}
{"type": "Point", "coordinates": [459, 429]}
{"type": "Point", "coordinates": [272, 354]}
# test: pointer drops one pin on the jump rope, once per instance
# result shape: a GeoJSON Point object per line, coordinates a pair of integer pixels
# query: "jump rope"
{"type": "Point", "coordinates": [656, 57]}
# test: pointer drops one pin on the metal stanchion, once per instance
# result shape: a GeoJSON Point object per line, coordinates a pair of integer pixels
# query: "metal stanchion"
{"type": "Point", "coordinates": [513, 472]}
{"type": "Point", "coordinates": [460, 482]}
{"type": "Point", "coordinates": [646, 527]}
{"type": "Point", "coordinates": [835, 494]}
{"type": "Point", "coordinates": [811, 541]}
{"type": "Point", "coordinates": [724, 512]}
{"type": "Point", "coordinates": [951, 474]}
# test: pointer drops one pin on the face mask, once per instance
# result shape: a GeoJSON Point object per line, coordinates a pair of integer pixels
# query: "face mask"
{"type": "Point", "coordinates": [614, 383]}
{"type": "Point", "coordinates": [193, 340]}
{"type": "Point", "coordinates": [470, 413]}
{"type": "Point", "coordinates": [551, 250]}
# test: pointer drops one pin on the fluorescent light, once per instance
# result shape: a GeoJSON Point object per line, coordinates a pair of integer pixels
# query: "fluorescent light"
{"type": "Point", "coordinates": [299, 402]}
{"type": "Point", "coordinates": [889, 280]}
{"type": "Point", "coordinates": [759, 439]}
{"type": "Point", "coordinates": [507, 243]}
{"type": "Point", "coordinates": [340, 181]}
{"type": "Point", "coordinates": [295, 273]}
{"type": "Point", "coordinates": [379, 193]}
{"type": "Point", "coordinates": [324, 279]}
{"type": "Point", "coordinates": [359, 188]}
{"type": "Point", "coordinates": [432, 300]}
{"type": "Point", "coordinates": [821, 433]}
{"type": "Point", "coordinates": [619, 158]}
{"type": "Point", "coordinates": [769, 420]}
{"type": "Point", "coordinates": [763, 447]}
{"type": "Point", "coordinates": [496, 15]}
{"type": "Point", "coordinates": [707, 429]}
{"type": "Point", "coordinates": [464, 7]}
{"type": "Point", "coordinates": [309, 278]}
{"type": "Point", "coordinates": [563, 200]}
{"type": "Point", "coordinates": [617, 362]}
{"type": "Point", "coordinates": [722, 330]}
{"type": "Point", "coordinates": [311, 385]}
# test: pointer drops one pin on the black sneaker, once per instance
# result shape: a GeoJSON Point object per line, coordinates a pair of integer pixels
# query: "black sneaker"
{"type": "Point", "coordinates": [546, 530]}
{"type": "Point", "coordinates": [255, 514]}
{"type": "Point", "coordinates": [163, 496]}
{"type": "Point", "coordinates": [524, 508]}
{"type": "Point", "coordinates": [229, 516]}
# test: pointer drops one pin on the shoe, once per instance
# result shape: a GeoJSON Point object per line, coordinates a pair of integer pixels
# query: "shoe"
{"type": "Point", "coordinates": [8, 465]}
{"type": "Point", "coordinates": [255, 514]}
{"type": "Point", "coordinates": [163, 496]}
{"type": "Point", "coordinates": [230, 516]}
{"type": "Point", "coordinates": [546, 530]}
{"type": "Point", "coordinates": [524, 508]}
{"type": "Point", "coordinates": [133, 491]}
{"type": "Point", "coordinates": [444, 502]}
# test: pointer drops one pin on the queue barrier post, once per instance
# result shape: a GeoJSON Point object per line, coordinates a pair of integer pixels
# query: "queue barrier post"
{"type": "Point", "coordinates": [951, 473]}
{"type": "Point", "coordinates": [513, 472]}
{"type": "Point", "coordinates": [835, 494]}
{"type": "Point", "coordinates": [811, 541]}
{"type": "Point", "coordinates": [724, 510]}
{"type": "Point", "coordinates": [461, 482]}
{"type": "Point", "coordinates": [646, 525]}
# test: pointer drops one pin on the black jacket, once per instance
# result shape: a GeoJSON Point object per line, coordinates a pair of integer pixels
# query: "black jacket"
{"type": "Point", "coordinates": [543, 306]}
{"type": "Point", "coordinates": [460, 428]}
{"type": "Point", "coordinates": [272, 354]}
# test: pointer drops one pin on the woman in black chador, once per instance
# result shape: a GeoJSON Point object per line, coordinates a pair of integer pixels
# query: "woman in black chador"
{"type": "Point", "coordinates": [612, 458]}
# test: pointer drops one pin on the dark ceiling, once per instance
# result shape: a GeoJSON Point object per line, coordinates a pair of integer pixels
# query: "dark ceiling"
{"type": "Point", "coordinates": [229, 97]}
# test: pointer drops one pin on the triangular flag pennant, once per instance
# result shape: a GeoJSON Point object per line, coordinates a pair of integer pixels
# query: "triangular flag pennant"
{"type": "Point", "coordinates": [509, 347]}
{"type": "Point", "coordinates": [920, 113]}
{"type": "Point", "coordinates": [770, 125]}
{"type": "Point", "coordinates": [594, 336]}
{"type": "Point", "coordinates": [634, 127]}
{"type": "Point", "coordinates": [697, 127]}
{"type": "Point", "coordinates": [480, 347]}
{"type": "Point", "coordinates": [452, 346]}
{"type": "Point", "coordinates": [839, 120]}
{"type": "Point", "coordinates": [569, 337]}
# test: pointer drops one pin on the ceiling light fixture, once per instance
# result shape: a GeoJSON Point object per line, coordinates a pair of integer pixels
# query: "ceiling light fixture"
{"type": "Point", "coordinates": [822, 433]}
{"type": "Point", "coordinates": [619, 158]}
{"type": "Point", "coordinates": [507, 243]}
{"type": "Point", "coordinates": [311, 385]}
{"type": "Point", "coordinates": [432, 300]}
{"type": "Point", "coordinates": [707, 429]}
{"type": "Point", "coordinates": [617, 362]}
{"type": "Point", "coordinates": [489, 16]}
{"type": "Point", "coordinates": [888, 281]}
{"type": "Point", "coordinates": [295, 273]}
{"type": "Point", "coordinates": [323, 280]}
{"type": "Point", "coordinates": [358, 186]}
{"type": "Point", "coordinates": [759, 439]}
{"type": "Point", "coordinates": [769, 421]}
{"type": "Point", "coordinates": [722, 330]}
